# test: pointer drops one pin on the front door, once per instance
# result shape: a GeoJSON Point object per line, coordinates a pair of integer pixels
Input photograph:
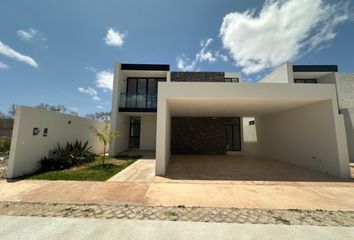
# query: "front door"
{"type": "Point", "coordinates": [134, 135]}
{"type": "Point", "coordinates": [233, 134]}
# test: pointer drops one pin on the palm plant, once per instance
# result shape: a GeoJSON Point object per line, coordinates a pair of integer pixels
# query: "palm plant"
{"type": "Point", "coordinates": [105, 136]}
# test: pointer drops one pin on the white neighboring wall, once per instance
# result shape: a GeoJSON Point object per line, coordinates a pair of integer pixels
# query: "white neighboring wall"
{"type": "Point", "coordinates": [282, 74]}
{"type": "Point", "coordinates": [27, 149]}
{"type": "Point", "coordinates": [345, 90]}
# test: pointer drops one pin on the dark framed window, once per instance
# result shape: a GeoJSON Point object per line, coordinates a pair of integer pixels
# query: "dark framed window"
{"type": "Point", "coordinates": [141, 93]}
{"type": "Point", "coordinates": [300, 80]}
{"type": "Point", "coordinates": [232, 79]}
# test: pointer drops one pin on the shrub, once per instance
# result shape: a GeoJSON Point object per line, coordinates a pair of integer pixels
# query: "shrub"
{"type": "Point", "coordinates": [72, 154]}
{"type": "Point", "coordinates": [5, 145]}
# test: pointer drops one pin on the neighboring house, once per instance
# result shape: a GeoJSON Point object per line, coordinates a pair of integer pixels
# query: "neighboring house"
{"type": "Point", "coordinates": [216, 113]}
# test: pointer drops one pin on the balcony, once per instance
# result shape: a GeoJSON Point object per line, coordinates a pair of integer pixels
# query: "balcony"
{"type": "Point", "coordinates": [137, 102]}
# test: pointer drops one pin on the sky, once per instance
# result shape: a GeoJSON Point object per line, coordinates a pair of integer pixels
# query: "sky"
{"type": "Point", "coordinates": [63, 52]}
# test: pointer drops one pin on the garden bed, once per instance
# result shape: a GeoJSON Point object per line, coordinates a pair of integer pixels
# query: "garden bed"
{"type": "Point", "coordinates": [93, 171]}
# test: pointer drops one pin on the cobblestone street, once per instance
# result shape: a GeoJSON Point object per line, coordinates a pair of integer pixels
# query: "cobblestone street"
{"type": "Point", "coordinates": [180, 213]}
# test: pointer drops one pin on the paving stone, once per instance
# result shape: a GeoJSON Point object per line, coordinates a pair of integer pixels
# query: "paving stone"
{"type": "Point", "coordinates": [196, 214]}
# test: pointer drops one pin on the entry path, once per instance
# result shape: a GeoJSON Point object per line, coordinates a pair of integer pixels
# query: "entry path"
{"type": "Point", "coordinates": [236, 194]}
{"type": "Point", "coordinates": [35, 228]}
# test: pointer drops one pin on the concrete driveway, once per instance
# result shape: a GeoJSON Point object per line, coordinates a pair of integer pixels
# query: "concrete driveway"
{"type": "Point", "coordinates": [204, 181]}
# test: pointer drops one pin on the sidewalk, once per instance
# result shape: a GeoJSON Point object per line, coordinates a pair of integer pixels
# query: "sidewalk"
{"type": "Point", "coordinates": [35, 228]}
{"type": "Point", "coordinates": [264, 195]}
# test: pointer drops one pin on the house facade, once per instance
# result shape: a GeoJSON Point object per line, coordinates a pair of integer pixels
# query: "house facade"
{"type": "Point", "coordinates": [216, 113]}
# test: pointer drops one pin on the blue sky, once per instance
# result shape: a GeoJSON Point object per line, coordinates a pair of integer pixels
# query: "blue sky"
{"type": "Point", "coordinates": [63, 52]}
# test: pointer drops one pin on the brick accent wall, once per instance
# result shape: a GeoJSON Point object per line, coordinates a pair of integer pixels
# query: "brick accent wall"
{"type": "Point", "coordinates": [197, 77]}
{"type": "Point", "coordinates": [198, 135]}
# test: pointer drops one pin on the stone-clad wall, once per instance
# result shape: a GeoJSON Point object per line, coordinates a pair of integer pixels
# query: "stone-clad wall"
{"type": "Point", "coordinates": [197, 77]}
{"type": "Point", "coordinates": [198, 135]}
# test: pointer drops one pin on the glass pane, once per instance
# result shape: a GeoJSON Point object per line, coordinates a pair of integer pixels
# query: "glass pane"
{"type": "Point", "coordinates": [141, 86]}
{"type": "Point", "coordinates": [122, 101]}
{"type": "Point", "coordinates": [152, 86]}
{"type": "Point", "coordinates": [237, 143]}
{"type": "Point", "coordinates": [131, 87]}
{"type": "Point", "coordinates": [131, 100]}
{"type": "Point", "coordinates": [141, 101]}
{"type": "Point", "coordinates": [229, 137]}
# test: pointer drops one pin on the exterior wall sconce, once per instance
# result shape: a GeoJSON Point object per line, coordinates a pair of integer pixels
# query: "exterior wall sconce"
{"type": "Point", "coordinates": [36, 131]}
{"type": "Point", "coordinates": [45, 132]}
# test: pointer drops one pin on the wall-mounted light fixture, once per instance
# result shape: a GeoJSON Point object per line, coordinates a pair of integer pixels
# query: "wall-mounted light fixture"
{"type": "Point", "coordinates": [35, 131]}
{"type": "Point", "coordinates": [45, 132]}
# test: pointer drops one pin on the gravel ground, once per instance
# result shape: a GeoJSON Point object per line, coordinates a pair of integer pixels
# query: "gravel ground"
{"type": "Point", "coordinates": [180, 213]}
{"type": "Point", "coordinates": [3, 165]}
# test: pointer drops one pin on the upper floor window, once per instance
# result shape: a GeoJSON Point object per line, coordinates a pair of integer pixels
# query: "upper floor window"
{"type": "Point", "coordinates": [140, 93]}
{"type": "Point", "coordinates": [305, 80]}
{"type": "Point", "coordinates": [232, 79]}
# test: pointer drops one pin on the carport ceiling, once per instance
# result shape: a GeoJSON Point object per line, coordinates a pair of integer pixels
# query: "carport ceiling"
{"type": "Point", "coordinates": [231, 107]}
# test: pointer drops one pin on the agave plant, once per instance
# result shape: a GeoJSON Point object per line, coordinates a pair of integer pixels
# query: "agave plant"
{"type": "Point", "coordinates": [70, 155]}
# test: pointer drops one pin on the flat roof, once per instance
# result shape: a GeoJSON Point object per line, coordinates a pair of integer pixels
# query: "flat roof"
{"type": "Point", "coordinates": [146, 67]}
{"type": "Point", "coordinates": [315, 68]}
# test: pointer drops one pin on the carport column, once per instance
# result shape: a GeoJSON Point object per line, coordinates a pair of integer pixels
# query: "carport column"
{"type": "Point", "coordinates": [163, 146]}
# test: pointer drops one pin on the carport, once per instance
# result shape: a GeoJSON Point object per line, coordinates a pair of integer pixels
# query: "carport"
{"type": "Point", "coordinates": [297, 124]}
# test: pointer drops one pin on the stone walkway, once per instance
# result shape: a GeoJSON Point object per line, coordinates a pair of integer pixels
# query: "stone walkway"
{"type": "Point", "coordinates": [181, 213]}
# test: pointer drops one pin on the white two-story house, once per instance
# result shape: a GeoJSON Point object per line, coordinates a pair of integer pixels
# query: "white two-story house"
{"type": "Point", "coordinates": [298, 114]}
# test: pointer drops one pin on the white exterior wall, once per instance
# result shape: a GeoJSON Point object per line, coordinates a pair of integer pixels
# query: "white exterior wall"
{"type": "Point", "coordinates": [282, 74]}
{"type": "Point", "coordinates": [163, 135]}
{"type": "Point", "coordinates": [249, 136]}
{"type": "Point", "coordinates": [122, 142]}
{"type": "Point", "coordinates": [27, 150]}
{"type": "Point", "coordinates": [306, 136]}
{"type": "Point", "coordinates": [115, 105]}
{"type": "Point", "coordinates": [148, 132]}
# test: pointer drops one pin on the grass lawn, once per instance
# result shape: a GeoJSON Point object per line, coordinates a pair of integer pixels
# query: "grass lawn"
{"type": "Point", "coordinates": [92, 171]}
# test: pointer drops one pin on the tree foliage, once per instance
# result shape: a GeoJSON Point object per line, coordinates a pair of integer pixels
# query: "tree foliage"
{"type": "Point", "coordinates": [105, 136]}
{"type": "Point", "coordinates": [10, 114]}
{"type": "Point", "coordinates": [99, 116]}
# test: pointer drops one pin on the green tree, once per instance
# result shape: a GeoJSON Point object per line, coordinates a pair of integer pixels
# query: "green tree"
{"type": "Point", "coordinates": [105, 136]}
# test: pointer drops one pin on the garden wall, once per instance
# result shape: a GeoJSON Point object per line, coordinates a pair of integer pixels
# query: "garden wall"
{"type": "Point", "coordinates": [27, 148]}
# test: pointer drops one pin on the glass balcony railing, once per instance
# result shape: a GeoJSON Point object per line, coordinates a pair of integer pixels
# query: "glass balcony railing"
{"type": "Point", "coordinates": [139, 101]}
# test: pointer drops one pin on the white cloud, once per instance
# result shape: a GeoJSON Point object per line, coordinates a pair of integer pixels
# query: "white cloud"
{"type": "Point", "coordinates": [4, 66]}
{"type": "Point", "coordinates": [114, 38]}
{"type": "Point", "coordinates": [27, 35]}
{"type": "Point", "coordinates": [9, 52]}
{"type": "Point", "coordinates": [90, 68]}
{"type": "Point", "coordinates": [204, 54]}
{"type": "Point", "coordinates": [280, 32]}
{"type": "Point", "coordinates": [90, 91]}
{"type": "Point", "coordinates": [183, 63]}
{"type": "Point", "coordinates": [221, 56]}
{"type": "Point", "coordinates": [186, 64]}
{"type": "Point", "coordinates": [99, 106]}
{"type": "Point", "coordinates": [104, 80]}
